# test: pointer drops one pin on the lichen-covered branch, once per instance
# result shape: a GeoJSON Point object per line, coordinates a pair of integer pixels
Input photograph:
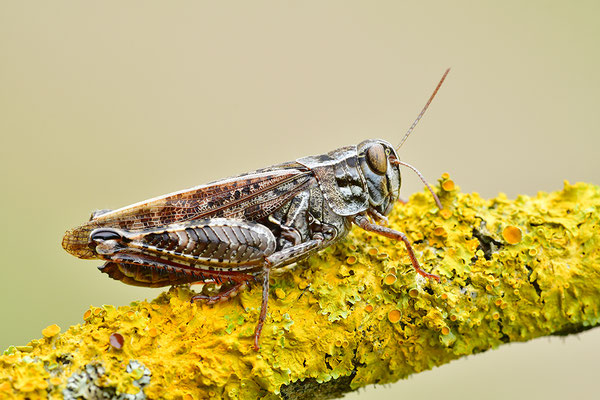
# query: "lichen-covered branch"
{"type": "Point", "coordinates": [353, 315]}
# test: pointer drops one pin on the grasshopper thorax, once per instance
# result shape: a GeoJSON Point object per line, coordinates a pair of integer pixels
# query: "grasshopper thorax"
{"type": "Point", "coordinates": [381, 173]}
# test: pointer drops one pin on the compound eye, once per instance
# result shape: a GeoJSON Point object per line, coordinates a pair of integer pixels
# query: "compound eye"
{"type": "Point", "coordinates": [377, 159]}
{"type": "Point", "coordinates": [104, 234]}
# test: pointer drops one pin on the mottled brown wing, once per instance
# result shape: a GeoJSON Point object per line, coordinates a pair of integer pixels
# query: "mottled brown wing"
{"type": "Point", "coordinates": [250, 197]}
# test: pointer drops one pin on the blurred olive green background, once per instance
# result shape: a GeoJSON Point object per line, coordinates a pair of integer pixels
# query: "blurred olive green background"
{"type": "Point", "coordinates": [103, 104]}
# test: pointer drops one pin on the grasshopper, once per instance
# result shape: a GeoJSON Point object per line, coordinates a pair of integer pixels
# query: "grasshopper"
{"type": "Point", "coordinates": [234, 231]}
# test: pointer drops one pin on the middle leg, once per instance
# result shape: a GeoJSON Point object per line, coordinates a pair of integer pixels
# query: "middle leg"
{"type": "Point", "coordinates": [279, 259]}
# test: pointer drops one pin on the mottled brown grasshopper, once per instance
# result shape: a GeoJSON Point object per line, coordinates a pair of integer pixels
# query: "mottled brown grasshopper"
{"type": "Point", "coordinates": [234, 230]}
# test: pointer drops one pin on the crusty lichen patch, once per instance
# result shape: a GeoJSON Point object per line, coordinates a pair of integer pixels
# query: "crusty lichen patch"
{"type": "Point", "coordinates": [355, 314]}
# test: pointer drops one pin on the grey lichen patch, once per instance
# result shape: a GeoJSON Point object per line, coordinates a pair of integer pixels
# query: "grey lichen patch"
{"type": "Point", "coordinates": [89, 383]}
{"type": "Point", "coordinates": [83, 385]}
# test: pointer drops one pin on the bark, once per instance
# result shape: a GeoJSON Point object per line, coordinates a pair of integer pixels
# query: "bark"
{"type": "Point", "coordinates": [355, 314]}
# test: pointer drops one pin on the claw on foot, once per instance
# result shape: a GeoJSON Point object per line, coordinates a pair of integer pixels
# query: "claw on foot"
{"type": "Point", "coordinates": [428, 275]}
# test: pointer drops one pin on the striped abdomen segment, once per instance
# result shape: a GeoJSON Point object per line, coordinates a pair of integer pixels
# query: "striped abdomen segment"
{"type": "Point", "coordinates": [212, 242]}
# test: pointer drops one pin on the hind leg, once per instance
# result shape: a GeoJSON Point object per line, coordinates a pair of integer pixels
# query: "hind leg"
{"type": "Point", "coordinates": [223, 294]}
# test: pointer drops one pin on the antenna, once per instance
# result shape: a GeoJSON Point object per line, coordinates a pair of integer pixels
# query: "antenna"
{"type": "Point", "coordinates": [423, 111]}
{"type": "Point", "coordinates": [435, 197]}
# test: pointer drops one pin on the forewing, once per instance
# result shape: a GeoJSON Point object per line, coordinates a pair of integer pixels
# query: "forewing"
{"type": "Point", "coordinates": [249, 197]}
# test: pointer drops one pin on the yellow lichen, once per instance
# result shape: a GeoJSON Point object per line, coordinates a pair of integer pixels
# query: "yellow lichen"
{"type": "Point", "coordinates": [51, 330]}
{"type": "Point", "coordinates": [445, 213]}
{"type": "Point", "coordinates": [389, 279]}
{"type": "Point", "coordinates": [280, 293]}
{"type": "Point", "coordinates": [448, 185]}
{"type": "Point", "coordinates": [394, 316]}
{"type": "Point", "coordinates": [336, 317]}
{"type": "Point", "coordinates": [512, 234]}
{"type": "Point", "coordinates": [440, 231]}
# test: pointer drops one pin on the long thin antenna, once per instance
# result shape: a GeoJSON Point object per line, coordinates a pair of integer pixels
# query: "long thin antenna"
{"type": "Point", "coordinates": [424, 109]}
{"type": "Point", "coordinates": [435, 197]}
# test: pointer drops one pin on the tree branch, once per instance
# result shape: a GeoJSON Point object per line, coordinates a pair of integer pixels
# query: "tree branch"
{"type": "Point", "coordinates": [353, 315]}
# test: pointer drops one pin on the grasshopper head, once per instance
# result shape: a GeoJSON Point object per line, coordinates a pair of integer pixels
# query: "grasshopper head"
{"type": "Point", "coordinates": [380, 166]}
{"type": "Point", "coordinates": [381, 173]}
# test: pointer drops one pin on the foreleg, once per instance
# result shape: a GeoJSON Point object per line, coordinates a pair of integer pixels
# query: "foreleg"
{"type": "Point", "coordinates": [365, 224]}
